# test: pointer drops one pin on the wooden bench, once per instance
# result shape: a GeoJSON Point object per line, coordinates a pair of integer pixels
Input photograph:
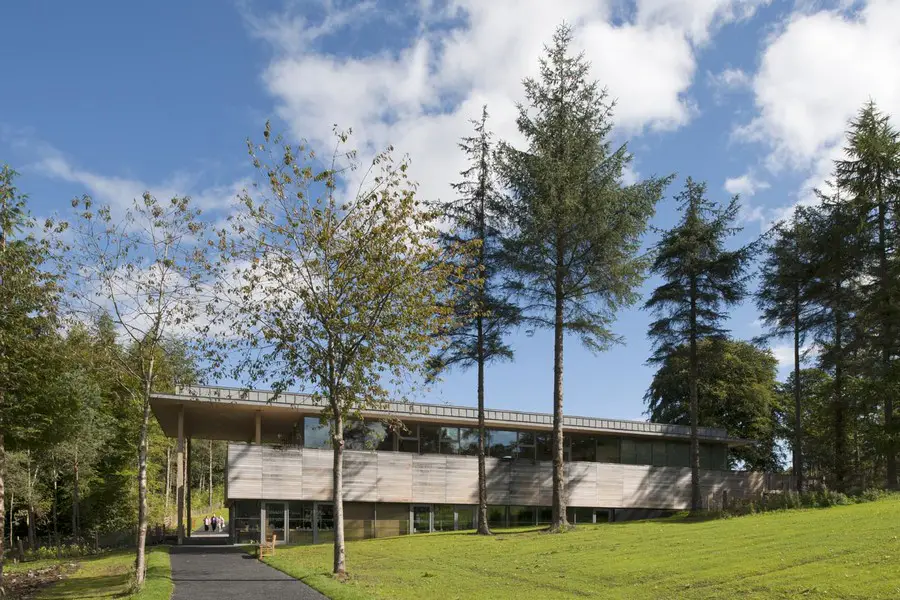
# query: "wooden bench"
{"type": "Point", "coordinates": [267, 548]}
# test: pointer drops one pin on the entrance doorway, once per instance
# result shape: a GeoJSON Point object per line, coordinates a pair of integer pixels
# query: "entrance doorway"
{"type": "Point", "coordinates": [275, 520]}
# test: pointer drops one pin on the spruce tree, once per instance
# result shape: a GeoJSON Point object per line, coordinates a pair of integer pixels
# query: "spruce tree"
{"type": "Point", "coordinates": [700, 279]}
{"type": "Point", "coordinates": [870, 177]}
{"type": "Point", "coordinates": [483, 311]}
{"type": "Point", "coordinates": [783, 298]}
{"type": "Point", "coordinates": [576, 229]}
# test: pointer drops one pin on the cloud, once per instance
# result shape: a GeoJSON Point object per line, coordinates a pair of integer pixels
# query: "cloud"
{"type": "Point", "coordinates": [119, 192]}
{"type": "Point", "coordinates": [745, 185]}
{"type": "Point", "coordinates": [729, 80]}
{"type": "Point", "coordinates": [784, 354]}
{"type": "Point", "coordinates": [815, 72]}
{"type": "Point", "coordinates": [418, 91]}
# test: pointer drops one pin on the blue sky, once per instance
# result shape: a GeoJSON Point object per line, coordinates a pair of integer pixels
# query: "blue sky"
{"type": "Point", "coordinates": [752, 96]}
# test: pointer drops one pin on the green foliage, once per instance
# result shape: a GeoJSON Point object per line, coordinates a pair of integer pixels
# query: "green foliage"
{"type": "Point", "coordinates": [737, 391]}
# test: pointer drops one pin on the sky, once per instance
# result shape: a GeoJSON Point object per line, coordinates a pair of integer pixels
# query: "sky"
{"type": "Point", "coordinates": [752, 96]}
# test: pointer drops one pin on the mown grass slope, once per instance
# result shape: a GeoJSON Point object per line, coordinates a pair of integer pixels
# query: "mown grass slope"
{"type": "Point", "coordinates": [841, 552]}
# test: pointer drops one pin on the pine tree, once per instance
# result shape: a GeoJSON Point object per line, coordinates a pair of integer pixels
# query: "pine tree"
{"type": "Point", "coordinates": [870, 176]}
{"type": "Point", "coordinates": [700, 278]}
{"type": "Point", "coordinates": [783, 298]}
{"type": "Point", "coordinates": [577, 229]}
{"type": "Point", "coordinates": [835, 296]}
{"type": "Point", "coordinates": [483, 311]}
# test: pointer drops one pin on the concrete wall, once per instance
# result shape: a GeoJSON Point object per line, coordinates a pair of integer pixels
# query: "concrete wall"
{"type": "Point", "coordinates": [263, 472]}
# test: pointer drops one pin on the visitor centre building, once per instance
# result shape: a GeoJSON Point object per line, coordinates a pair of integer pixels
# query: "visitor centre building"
{"type": "Point", "coordinates": [412, 468]}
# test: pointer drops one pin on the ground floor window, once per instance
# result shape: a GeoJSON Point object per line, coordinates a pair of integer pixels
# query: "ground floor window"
{"type": "Point", "coordinates": [246, 521]}
{"type": "Point", "coordinates": [579, 515]}
{"type": "Point", "coordinates": [300, 522]}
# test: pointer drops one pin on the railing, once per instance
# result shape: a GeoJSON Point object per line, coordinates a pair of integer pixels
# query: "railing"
{"type": "Point", "coordinates": [407, 409]}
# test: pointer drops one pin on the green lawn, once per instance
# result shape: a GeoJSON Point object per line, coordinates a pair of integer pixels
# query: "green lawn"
{"type": "Point", "coordinates": [842, 552]}
{"type": "Point", "coordinates": [109, 576]}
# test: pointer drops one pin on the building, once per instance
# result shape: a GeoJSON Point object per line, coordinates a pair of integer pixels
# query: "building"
{"type": "Point", "coordinates": [411, 468]}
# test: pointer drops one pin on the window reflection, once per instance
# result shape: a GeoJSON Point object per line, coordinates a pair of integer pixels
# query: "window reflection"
{"type": "Point", "coordinates": [502, 444]}
{"type": "Point", "coordinates": [315, 434]}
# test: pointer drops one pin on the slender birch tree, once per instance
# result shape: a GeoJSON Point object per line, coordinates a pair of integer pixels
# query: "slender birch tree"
{"type": "Point", "coordinates": [484, 312]}
{"type": "Point", "coordinates": [576, 229]}
{"type": "Point", "coordinates": [338, 294]}
{"type": "Point", "coordinates": [147, 268]}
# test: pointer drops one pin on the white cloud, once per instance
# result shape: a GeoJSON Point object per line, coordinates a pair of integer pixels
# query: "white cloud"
{"type": "Point", "coordinates": [745, 185]}
{"type": "Point", "coordinates": [816, 71]}
{"type": "Point", "coordinates": [729, 80]}
{"type": "Point", "coordinates": [119, 192]}
{"type": "Point", "coordinates": [420, 97]}
{"type": "Point", "coordinates": [784, 354]}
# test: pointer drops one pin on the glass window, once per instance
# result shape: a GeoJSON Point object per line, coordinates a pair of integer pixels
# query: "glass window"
{"type": "Point", "coordinates": [496, 516]}
{"type": "Point", "coordinates": [449, 440]}
{"type": "Point", "coordinates": [607, 449]}
{"type": "Point", "coordinates": [409, 438]}
{"type": "Point", "coordinates": [678, 454]}
{"type": "Point", "coordinates": [379, 437]}
{"type": "Point", "coordinates": [522, 516]}
{"type": "Point", "coordinates": [526, 445]}
{"type": "Point", "coordinates": [468, 441]}
{"type": "Point", "coordinates": [315, 434]}
{"type": "Point", "coordinates": [659, 454]}
{"type": "Point", "coordinates": [367, 435]}
{"type": "Point", "coordinates": [429, 439]}
{"type": "Point", "coordinates": [712, 456]}
{"type": "Point", "coordinates": [544, 446]}
{"type": "Point", "coordinates": [601, 515]}
{"type": "Point", "coordinates": [502, 443]}
{"type": "Point", "coordinates": [584, 448]}
{"type": "Point", "coordinates": [579, 515]}
{"type": "Point", "coordinates": [246, 520]}
{"type": "Point", "coordinates": [544, 515]}
{"type": "Point", "coordinates": [636, 452]}
{"type": "Point", "coordinates": [443, 517]}
{"type": "Point", "coordinates": [326, 517]}
{"type": "Point", "coordinates": [465, 517]}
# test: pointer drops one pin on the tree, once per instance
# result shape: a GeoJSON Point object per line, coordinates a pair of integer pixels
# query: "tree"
{"type": "Point", "coordinates": [736, 390]}
{"type": "Point", "coordinates": [29, 298]}
{"type": "Point", "coordinates": [870, 175]}
{"type": "Point", "coordinates": [483, 311]}
{"type": "Point", "coordinates": [700, 279]}
{"type": "Point", "coordinates": [576, 228]}
{"type": "Point", "coordinates": [147, 268]}
{"type": "Point", "coordinates": [340, 295]}
{"type": "Point", "coordinates": [783, 298]}
{"type": "Point", "coordinates": [838, 254]}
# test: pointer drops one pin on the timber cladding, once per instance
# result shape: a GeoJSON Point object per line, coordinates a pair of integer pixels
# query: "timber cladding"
{"type": "Point", "coordinates": [265, 472]}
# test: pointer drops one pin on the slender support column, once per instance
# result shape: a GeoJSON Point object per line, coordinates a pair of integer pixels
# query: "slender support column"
{"type": "Point", "coordinates": [179, 483]}
{"type": "Point", "coordinates": [187, 487]}
{"type": "Point", "coordinates": [258, 437]}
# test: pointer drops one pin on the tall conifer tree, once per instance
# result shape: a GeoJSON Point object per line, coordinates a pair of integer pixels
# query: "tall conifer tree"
{"type": "Point", "coordinates": [700, 278]}
{"type": "Point", "coordinates": [483, 311]}
{"type": "Point", "coordinates": [870, 176]}
{"type": "Point", "coordinates": [576, 228]}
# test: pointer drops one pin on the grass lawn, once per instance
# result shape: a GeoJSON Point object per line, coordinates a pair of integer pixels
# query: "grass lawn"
{"type": "Point", "coordinates": [109, 575]}
{"type": "Point", "coordinates": [842, 552]}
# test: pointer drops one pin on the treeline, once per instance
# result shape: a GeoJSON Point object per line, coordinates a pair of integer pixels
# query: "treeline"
{"type": "Point", "coordinates": [361, 294]}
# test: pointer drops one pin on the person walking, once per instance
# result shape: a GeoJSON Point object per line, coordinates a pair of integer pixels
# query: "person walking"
{"type": "Point", "coordinates": [206, 523]}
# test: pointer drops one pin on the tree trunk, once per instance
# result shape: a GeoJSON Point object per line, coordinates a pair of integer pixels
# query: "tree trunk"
{"type": "Point", "coordinates": [886, 342]}
{"type": "Point", "coordinates": [55, 511]}
{"type": "Point", "coordinates": [840, 446]}
{"type": "Point", "coordinates": [483, 527]}
{"type": "Point", "coordinates": [76, 497]}
{"type": "Point", "coordinates": [3, 498]}
{"type": "Point", "coordinates": [168, 481]}
{"type": "Point", "coordinates": [559, 522]}
{"type": "Point", "coordinates": [695, 407]}
{"type": "Point", "coordinates": [140, 561]}
{"type": "Point", "coordinates": [797, 450]}
{"type": "Point", "coordinates": [338, 491]}
{"type": "Point", "coordinates": [210, 475]}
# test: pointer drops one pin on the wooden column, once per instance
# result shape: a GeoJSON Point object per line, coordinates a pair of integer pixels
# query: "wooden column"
{"type": "Point", "coordinates": [187, 487]}
{"type": "Point", "coordinates": [258, 437]}
{"type": "Point", "coordinates": [179, 483]}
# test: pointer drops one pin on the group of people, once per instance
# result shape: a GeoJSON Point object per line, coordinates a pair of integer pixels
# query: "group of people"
{"type": "Point", "coordinates": [214, 523]}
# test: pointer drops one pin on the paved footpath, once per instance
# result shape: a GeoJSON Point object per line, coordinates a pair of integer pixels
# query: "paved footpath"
{"type": "Point", "coordinates": [227, 573]}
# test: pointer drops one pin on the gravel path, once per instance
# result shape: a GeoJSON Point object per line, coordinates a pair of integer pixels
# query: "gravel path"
{"type": "Point", "coordinates": [227, 573]}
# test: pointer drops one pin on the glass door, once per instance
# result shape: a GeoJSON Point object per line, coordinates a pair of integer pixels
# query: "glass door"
{"type": "Point", "coordinates": [421, 518]}
{"type": "Point", "coordinates": [275, 520]}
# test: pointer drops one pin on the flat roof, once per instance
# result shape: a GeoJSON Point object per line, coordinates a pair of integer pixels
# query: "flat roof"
{"type": "Point", "coordinates": [228, 413]}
